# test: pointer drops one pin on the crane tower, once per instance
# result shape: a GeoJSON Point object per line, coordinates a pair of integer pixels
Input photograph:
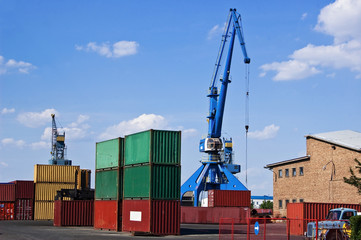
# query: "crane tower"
{"type": "Point", "coordinates": [58, 147]}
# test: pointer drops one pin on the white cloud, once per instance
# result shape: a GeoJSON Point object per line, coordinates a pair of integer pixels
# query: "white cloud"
{"type": "Point", "coordinates": [4, 164]}
{"type": "Point", "coordinates": [40, 145]}
{"type": "Point", "coordinates": [141, 123]}
{"type": "Point", "coordinates": [36, 119]}
{"type": "Point", "coordinates": [189, 133]}
{"type": "Point", "coordinates": [215, 31]}
{"type": "Point", "coordinates": [12, 142]}
{"type": "Point", "coordinates": [304, 15]}
{"type": "Point", "coordinates": [267, 133]}
{"type": "Point", "coordinates": [339, 19]}
{"type": "Point", "coordinates": [11, 65]}
{"type": "Point", "coordinates": [7, 110]}
{"type": "Point", "coordinates": [116, 50]}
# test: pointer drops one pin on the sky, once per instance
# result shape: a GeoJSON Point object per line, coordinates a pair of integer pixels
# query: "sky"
{"type": "Point", "coordinates": [107, 69]}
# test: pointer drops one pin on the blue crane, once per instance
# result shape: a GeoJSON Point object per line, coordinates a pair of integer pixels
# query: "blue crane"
{"type": "Point", "coordinates": [217, 169]}
{"type": "Point", "coordinates": [58, 147]}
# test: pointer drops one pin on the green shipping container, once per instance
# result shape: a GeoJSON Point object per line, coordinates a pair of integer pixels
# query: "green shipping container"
{"type": "Point", "coordinates": [108, 184]}
{"type": "Point", "coordinates": [153, 146]}
{"type": "Point", "coordinates": [110, 153]}
{"type": "Point", "coordinates": [160, 182]}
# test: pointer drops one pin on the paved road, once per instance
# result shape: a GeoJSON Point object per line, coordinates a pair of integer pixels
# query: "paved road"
{"type": "Point", "coordinates": [44, 230]}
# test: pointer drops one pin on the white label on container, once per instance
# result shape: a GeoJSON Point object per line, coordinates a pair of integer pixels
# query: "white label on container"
{"type": "Point", "coordinates": [135, 216]}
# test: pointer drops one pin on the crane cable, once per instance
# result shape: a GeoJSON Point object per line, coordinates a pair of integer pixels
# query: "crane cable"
{"type": "Point", "coordinates": [246, 126]}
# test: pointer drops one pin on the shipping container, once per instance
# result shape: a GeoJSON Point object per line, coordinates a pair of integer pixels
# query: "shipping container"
{"type": "Point", "coordinates": [152, 181]}
{"type": "Point", "coordinates": [307, 211]}
{"type": "Point", "coordinates": [153, 146]}
{"type": "Point", "coordinates": [158, 217]}
{"type": "Point", "coordinates": [55, 173]}
{"type": "Point", "coordinates": [73, 213]}
{"type": "Point", "coordinates": [84, 177]}
{"type": "Point", "coordinates": [108, 215]}
{"type": "Point", "coordinates": [108, 184]}
{"type": "Point", "coordinates": [7, 192]}
{"type": "Point", "coordinates": [24, 189]}
{"type": "Point", "coordinates": [204, 215]}
{"type": "Point", "coordinates": [7, 211]}
{"type": "Point", "coordinates": [110, 153]}
{"type": "Point", "coordinates": [229, 198]}
{"type": "Point", "coordinates": [44, 210]}
{"type": "Point", "coordinates": [24, 209]}
{"type": "Point", "coordinates": [48, 191]}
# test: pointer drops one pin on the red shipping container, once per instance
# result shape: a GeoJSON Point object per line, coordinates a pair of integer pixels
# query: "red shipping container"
{"type": "Point", "coordinates": [158, 217]}
{"type": "Point", "coordinates": [308, 211]}
{"type": "Point", "coordinates": [24, 189]}
{"type": "Point", "coordinates": [24, 209]}
{"type": "Point", "coordinates": [108, 215]}
{"type": "Point", "coordinates": [205, 215]}
{"type": "Point", "coordinates": [229, 198]}
{"type": "Point", "coordinates": [73, 213]}
{"type": "Point", "coordinates": [6, 211]}
{"type": "Point", "coordinates": [7, 192]}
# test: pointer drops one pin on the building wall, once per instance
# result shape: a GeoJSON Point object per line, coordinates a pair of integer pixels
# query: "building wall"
{"type": "Point", "coordinates": [318, 183]}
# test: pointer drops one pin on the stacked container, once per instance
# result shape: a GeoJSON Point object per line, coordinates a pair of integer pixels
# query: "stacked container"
{"type": "Point", "coordinates": [7, 200]}
{"type": "Point", "coordinates": [49, 179]}
{"type": "Point", "coordinates": [24, 200]}
{"type": "Point", "coordinates": [229, 198]}
{"type": "Point", "coordinates": [108, 184]}
{"type": "Point", "coordinates": [151, 187]}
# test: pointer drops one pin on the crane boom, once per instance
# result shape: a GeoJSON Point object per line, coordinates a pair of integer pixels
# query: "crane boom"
{"type": "Point", "coordinates": [58, 147]}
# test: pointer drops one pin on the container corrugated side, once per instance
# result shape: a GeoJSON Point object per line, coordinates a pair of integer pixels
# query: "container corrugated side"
{"type": "Point", "coordinates": [7, 192]}
{"type": "Point", "coordinates": [204, 215]}
{"type": "Point", "coordinates": [229, 198]}
{"type": "Point", "coordinates": [24, 209]}
{"type": "Point", "coordinates": [309, 210]}
{"type": "Point", "coordinates": [160, 217]}
{"type": "Point", "coordinates": [7, 211]}
{"type": "Point", "coordinates": [48, 191]}
{"type": "Point", "coordinates": [44, 210]}
{"type": "Point", "coordinates": [24, 189]}
{"type": "Point", "coordinates": [152, 181]}
{"type": "Point", "coordinates": [108, 184]}
{"type": "Point", "coordinates": [153, 146]}
{"type": "Point", "coordinates": [73, 213]}
{"type": "Point", "coordinates": [55, 173]}
{"type": "Point", "coordinates": [107, 215]}
{"type": "Point", "coordinates": [110, 153]}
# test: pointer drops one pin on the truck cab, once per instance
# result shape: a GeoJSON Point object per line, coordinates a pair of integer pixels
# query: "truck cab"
{"type": "Point", "coordinates": [334, 227]}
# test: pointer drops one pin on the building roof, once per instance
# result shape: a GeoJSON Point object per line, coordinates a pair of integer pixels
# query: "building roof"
{"type": "Point", "coordinates": [294, 160]}
{"type": "Point", "coordinates": [346, 138]}
{"type": "Point", "coordinates": [265, 197]}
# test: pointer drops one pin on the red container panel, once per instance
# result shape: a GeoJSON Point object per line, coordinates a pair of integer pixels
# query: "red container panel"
{"type": "Point", "coordinates": [158, 217]}
{"type": "Point", "coordinates": [307, 211]}
{"type": "Point", "coordinates": [229, 198]}
{"type": "Point", "coordinates": [107, 215]}
{"type": "Point", "coordinates": [73, 213]}
{"type": "Point", "coordinates": [24, 189]}
{"type": "Point", "coordinates": [7, 192]}
{"type": "Point", "coordinates": [24, 209]}
{"type": "Point", "coordinates": [7, 210]}
{"type": "Point", "coordinates": [213, 215]}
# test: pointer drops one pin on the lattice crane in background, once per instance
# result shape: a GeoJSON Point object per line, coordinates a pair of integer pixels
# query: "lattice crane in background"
{"type": "Point", "coordinates": [217, 168]}
{"type": "Point", "coordinates": [58, 147]}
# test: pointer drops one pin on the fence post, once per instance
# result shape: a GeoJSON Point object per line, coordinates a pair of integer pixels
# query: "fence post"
{"type": "Point", "coordinates": [264, 230]}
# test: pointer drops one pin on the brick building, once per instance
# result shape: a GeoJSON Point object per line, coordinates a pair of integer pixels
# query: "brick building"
{"type": "Point", "coordinates": [318, 176]}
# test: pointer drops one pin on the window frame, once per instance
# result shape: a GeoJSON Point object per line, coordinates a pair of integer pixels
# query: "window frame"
{"type": "Point", "coordinates": [294, 172]}
{"type": "Point", "coordinates": [287, 172]}
{"type": "Point", "coordinates": [301, 173]}
{"type": "Point", "coordinates": [280, 202]}
{"type": "Point", "coordinates": [280, 173]}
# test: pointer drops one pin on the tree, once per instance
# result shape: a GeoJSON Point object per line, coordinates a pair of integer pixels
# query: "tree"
{"type": "Point", "coordinates": [354, 180]}
{"type": "Point", "coordinates": [266, 205]}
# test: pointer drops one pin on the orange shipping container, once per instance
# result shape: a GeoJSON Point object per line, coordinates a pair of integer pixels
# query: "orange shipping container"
{"type": "Point", "coordinates": [306, 211]}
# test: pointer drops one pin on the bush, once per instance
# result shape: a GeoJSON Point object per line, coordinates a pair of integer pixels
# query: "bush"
{"type": "Point", "coordinates": [355, 227]}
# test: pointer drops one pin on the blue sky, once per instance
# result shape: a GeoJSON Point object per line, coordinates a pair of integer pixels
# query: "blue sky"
{"type": "Point", "coordinates": [112, 68]}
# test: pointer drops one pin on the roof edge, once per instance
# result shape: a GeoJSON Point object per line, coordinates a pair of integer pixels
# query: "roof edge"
{"type": "Point", "coordinates": [294, 160]}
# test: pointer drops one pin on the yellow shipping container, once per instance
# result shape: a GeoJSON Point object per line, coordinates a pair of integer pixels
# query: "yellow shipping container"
{"type": "Point", "coordinates": [55, 173]}
{"type": "Point", "coordinates": [44, 210]}
{"type": "Point", "coordinates": [84, 178]}
{"type": "Point", "coordinates": [47, 191]}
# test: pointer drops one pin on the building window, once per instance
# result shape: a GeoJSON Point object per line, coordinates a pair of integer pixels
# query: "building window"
{"type": "Point", "coordinates": [301, 171]}
{"type": "Point", "coordinates": [287, 172]}
{"type": "Point", "coordinates": [280, 204]}
{"type": "Point", "coordinates": [294, 172]}
{"type": "Point", "coordinates": [280, 173]}
{"type": "Point", "coordinates": [287, 202]}
{"type": "Point", "coordinates": [294, 200]}
{"type": "Point", "coordinates": [301, 199]}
